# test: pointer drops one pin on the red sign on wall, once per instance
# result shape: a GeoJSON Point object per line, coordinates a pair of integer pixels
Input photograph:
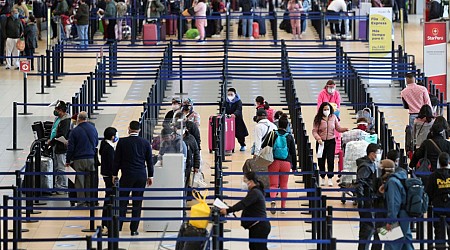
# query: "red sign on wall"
{"type": "Point", "coordinates": [435, 55]}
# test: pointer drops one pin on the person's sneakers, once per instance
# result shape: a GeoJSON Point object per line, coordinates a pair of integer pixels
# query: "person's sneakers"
{"type": "Point", "coordinates": [17, 68]}
{"type": "Point", "coordinates": [283, 212]}
{"type": "Point", "coordinates": [215, 36]}
{"type": "Point", "coordinates": [134, 233]}
{"type": "Point", "coordinates": [252, 38]}
{"type": "Point", "coordinates": [197, 38]}
{"type": "Point", "coordinates": [61, 192]}
{"type": "Point", "coordinates": [322, 182]}
{"type": "Point", "coordinates": [330, 183]}
{"type": "Point", "coordinates": [243, 148]}
{"type": "Point", "coordinates": [7, 67]}
{"type": "Point", "coordinates": [273, 205]}
{"type": "Point", "coordinates": [201, 41]}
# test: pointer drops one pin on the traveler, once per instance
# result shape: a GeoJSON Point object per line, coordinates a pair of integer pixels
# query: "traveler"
{"type": "Point", "coordinates": [5, 9]}
{"type": "Point", "coordinates": [422, 125]}
{"type": "Point", "coordinates": [189, 113]}
{"type": "Point", "coordinates": [234, 108]}
{"type": "Point", "coordinates": [438, 190]}
{"type": "Point", "coordinates": [262, 129]}
{"type": "Point", "coordinates": [277, 117]}
{"type": "Point", "coordinates": [82, 17]}
{"type": "Point", "coordinates": [62, 8]}
{"type": "Point", "coordinates": [171, 142]}
{"type": "Point", "coordinates": [247, 8]}
{"type": "Point", "coordinates": [285, 159]}
{"type": "Point", "coordinates": [21, 6]}
{"type": "Point", "coordinates": [31, 39]}
{"type": "Point", "coordinates": [414, 97]}
{"type": "Point", "coordinates": [133, 157]}
{"type": "Point", "coordinates": [333, 11]}
{"type": "Point", "coordinates": [432, 147]}
{"type": "Point", "coordinates": [295, 8]}
{"type": "Point", "coordinates": [193, 153]}
{"type": "Point", "coordinates": [253, 206]}
{"type": "Point", "coordinates": [366, 191]}
{"type": "Point", "coordinates": [306, 4]}
{"type": "Point", "coordinates": [81, 153]}
{"type": "Point", "coordinates": [331, 95]}
{"type": "Point", "coordinates": [217, 7]}
{"type": "Point", "coordinates": [153, 12]}
{"type": "Point", "coordinates": [59, 134]}
{"type": "Point", "coordinates": [325, 123]}
{"type": "Point", "coordinates": [13, 31]}
{"type": "Point", "coordinates": [39, 12]}
{"type": "Point", "coordinates": [200, 19]}
{"type": "Point", "coordinates": [176, 107]}
{"type": "Point", "coordinates": [191, 127]}
{"type": "Point", "coordinates": [110, 20]}
{"type": "Point", "coordinates": [263, 104]}
{"type": "Point", "coordinates": [106, 151]}
{"type": "Point", "coordinates": [395, 195]}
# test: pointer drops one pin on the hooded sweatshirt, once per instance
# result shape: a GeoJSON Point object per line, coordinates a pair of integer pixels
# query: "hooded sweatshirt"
{"type": "Point", "coordinates": [421, 130]}
{"type": "Point", "coordinates": [324, 96]}
{"type": "Point", "coordinates": [438, 188]}
{"type": "Point", "coordinates": [262, 129]}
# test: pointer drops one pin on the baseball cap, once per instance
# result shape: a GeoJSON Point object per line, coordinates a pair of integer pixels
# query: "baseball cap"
{"type": "Point", "coordinates": [261, 112]}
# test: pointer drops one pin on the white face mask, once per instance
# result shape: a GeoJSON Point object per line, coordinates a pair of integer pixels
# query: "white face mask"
{"type": "Point", "coordinates": [244, 186]}
{"type": "Point", "coordinates": [378, 158]}
{"type": "Point", "coordinates": [326, 113]}
{"type": "Point", "coordinates": [331, 90]}
{"type": "Point", "coordinates": [175, 106]}
{"type": "Point", "coordinates": [230, 97]}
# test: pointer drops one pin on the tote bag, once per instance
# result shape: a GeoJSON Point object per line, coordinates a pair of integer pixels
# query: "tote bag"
{"type": "Point", "coordinates": [265, 157]}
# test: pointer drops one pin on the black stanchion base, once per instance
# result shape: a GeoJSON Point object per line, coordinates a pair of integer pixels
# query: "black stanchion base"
{"type": "Point", "coordinates": [112, 86]}
{"type": "Point", "coordinates": [227, 161]}
{"type": "Point", "coordinates": [305, 212]}
{"type": "Point", "coordinates": [51, 86]}
{"type": "Point", "coordinates": [94, 113]}
{"type": "Point", "coordinates": [299, 181]}
{"type": "Point", "coordinates": [226, 230]}
{"type": "Point", "coordinates": [107, 93]}
{"type": "Point", "coordinates": [98, 109]}
{"type": "Point", "coordinates": [24, 230]}
{"type": "Point", "coordinates": [29, 221]}
{"type": "Point", "coordinates": [223, 167]}
{"type": "Point", "coordinates": [32, 212]}
{"type": "Point", "coordinates": [25, 113]}
{"type": "Point", "coordinates": [14, 149]}
{"type": "Point", "coordinates": [42, 93]}
{"type": "Point", "coordinates": [39, 203]}
{"type": "Point", "coordinates": [101, 101]}
{"type": "Point", "coordinates": [56, 82]}
{"type": "Point", "coordinates": [89, 230]}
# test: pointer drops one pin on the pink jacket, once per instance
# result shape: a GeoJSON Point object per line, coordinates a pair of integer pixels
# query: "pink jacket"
{"type": "Point", "coordinates": [294, 9]}
{"type": "Point", "coordinates": [200, 9]}
{"type": "Point", "coordinates": [325, 131]}
{"type": "Point", "coordinates": [325, 97]}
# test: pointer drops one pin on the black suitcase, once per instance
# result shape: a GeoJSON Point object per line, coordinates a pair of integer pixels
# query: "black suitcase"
{"type": "Point", "coordinates": [186, 230]}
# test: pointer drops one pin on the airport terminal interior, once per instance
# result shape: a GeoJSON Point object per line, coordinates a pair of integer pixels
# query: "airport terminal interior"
{"type": "Point", "coordinates": [255, 67]}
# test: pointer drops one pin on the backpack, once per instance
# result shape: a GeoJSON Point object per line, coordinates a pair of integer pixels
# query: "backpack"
{"type": "Point", "coordinates": [246, 5]}
{"type": "Point", "coordinates": [434, 100]}
{"type": "Point", "coordinates": [280, 148]}
{"type": "Point", "coordinates": [416, 197]}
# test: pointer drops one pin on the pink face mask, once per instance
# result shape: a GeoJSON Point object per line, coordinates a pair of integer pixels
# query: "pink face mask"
{"type": "Point", "coordinates": [363, 127]}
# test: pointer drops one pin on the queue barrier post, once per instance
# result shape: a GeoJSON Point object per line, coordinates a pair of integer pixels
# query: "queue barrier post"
{"type": "Point", "coordinates": [99, 237]}
{"type": "Point", "coordinates": [430, 235]}
{"type": "Point", "coordinates": [25, 95]}
{"type": "Point", "coordinates": [92, 178]}
{"type": "Point", "coordinates": [42, 74]}
{"type": "Point", "coordinates": [14, 127]}
{"type": "Point", "coordinates": [5, 222]}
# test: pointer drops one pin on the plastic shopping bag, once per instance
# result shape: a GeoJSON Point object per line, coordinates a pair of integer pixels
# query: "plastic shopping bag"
{"type": "Point", "coordinates": [320, 150]}
{"type": "Point", "coordinates": [200, 210]}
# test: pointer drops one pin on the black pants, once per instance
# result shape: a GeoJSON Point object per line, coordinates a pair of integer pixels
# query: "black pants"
{"type": "Point", "coordinates": [54, 28]}
{"type": "Point", "coordinates": [440, 234]}
{"type": "Point", "coordinates": [402, 5]}
{"type": "Point", "coordinates": [2, 50]}
{"type": "Point", "coordinates": [366, 229]}
{"type": "Point", "coordinates": [111, 33]}
{"type": "Point", "coordinates": [241, 140]}
{"type": "Point", "coordinates": [335, 25]}
{"type": "Point", "coordinates": [29, 52]}
{"type": "Point", "coordinates": [328, 155]}
{"type": "Point", "coordinates": [259, 231]}
{"type": "Point", "coordinates": [132, 182]}
{"type": "Point", "coordinates": [105, 212]}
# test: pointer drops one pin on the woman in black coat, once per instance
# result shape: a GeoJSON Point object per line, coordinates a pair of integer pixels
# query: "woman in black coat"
{"type": "Point", "coordinates": [234, 108]}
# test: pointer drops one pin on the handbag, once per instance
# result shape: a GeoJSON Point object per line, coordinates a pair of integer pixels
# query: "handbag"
{"type": "Point", "coordinates": [185, 13]}
{"type": "Point", "coordinates": [191, 11]}
{"type": "Point", "coordinates": [200, 210]}
{"type": "Point", "coordinates": [20, 45]}
{"type": "Point", "coordinates": [265, 157]}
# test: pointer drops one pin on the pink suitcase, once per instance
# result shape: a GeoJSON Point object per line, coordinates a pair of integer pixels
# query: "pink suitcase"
{"type": "Point", "coordinates": [229, 133]}
{"type": "Point", "coordinates": [150, 34]}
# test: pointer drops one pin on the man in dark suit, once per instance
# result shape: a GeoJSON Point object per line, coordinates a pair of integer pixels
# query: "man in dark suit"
{"type": "Point", "coordinates": [133, 157]}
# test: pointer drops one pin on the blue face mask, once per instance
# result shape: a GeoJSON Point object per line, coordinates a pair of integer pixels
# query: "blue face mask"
{"type": "Point", "coordinates": [116, 137]}
{"type": "Point", "coordinates": [16, 16]}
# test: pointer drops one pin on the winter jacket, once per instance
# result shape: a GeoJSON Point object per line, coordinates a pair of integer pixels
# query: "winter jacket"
{"type": "Point", "coordinates": [107, 158]}
{"type": "Point", "coordinates": [253, 206]}
{"type": "Point", "coordinates": [174, 146]}
{"type": "Point", "coordinates": [111, 11]}
{"type": "Point", "coordinates": [194, 117]}
{"type": "Point", "coordinates": [294, 9]}
{"type": "Point", "coordinates": [13, 28]}
{"type": "Point", "coordinates": [61, 8]}
{"type": "Point", "coordinates": [325, 131]}
{"type": "Point", "coordinates": [270, 112]}
{"type": "Point", "coordinates": [133, 157]}
{"type": "Point", "coordinates": [194, 131]}
{"type": "Point", "coordinates": [30, 34]}
{"type": "Point", "coordinates": [324, 96]}
{"type": "Point", "coordinates": [235, 107]}
{"type": "Point", "coordinates": [395, 195]}
{"type": "Point", "coordinates": [438, 188]}
{"type": "Point", "coordinates": [193, 153]}
{"type": "Point", "coordinates": [39, 9]}
{"type": "Point", "coordinates": [292, 155]}
{"type": "Point", "coordinates": [82, 15]}
{"type": "Point", "coordinates": [83, 141]}
{"type": "Point", "coordinates": [23, 10]}
{"type": "Point", "coordinates": [62, 129]}
{"type": "Point", "coordinates": [421, 129]}
{"type": "Point", "coordinates": [366, 179]}
{"type": "Point", "coordinates": [262, 129]}
{"type": "Point", "coordinates": [154, 9]}
{"type": "Point", "coordinates": [431, 151]}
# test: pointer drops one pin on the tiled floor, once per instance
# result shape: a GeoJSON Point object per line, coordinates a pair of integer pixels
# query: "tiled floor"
{"type": "Point", "coordinates": [132, 91]}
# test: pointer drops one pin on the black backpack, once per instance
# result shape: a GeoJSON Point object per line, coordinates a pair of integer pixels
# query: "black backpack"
{"type": "Point", "coordinates": [416, 197]}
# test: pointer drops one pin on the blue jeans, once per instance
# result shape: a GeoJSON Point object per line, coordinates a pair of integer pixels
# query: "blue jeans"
{"type": "Point", "coordinates": [83, 35]}
{"type": "Point", "coordinates": [412, 117]}
{"type": "Point", "coordinates": [247, 25]}
{"type": "Point", "coordinates": [303, 23]}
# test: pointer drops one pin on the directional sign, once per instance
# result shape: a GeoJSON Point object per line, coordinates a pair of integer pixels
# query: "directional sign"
{"type": "Point", "coordinates": [25, 66]}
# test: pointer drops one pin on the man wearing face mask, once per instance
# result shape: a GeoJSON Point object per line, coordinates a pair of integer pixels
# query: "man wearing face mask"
{"type": "Point", "coordinates": [329, 94]}
{"type": "Point", "coordinates": [60, 133]}
{"type": "Point", "coordinates": [13, 31]}
{"type": "Point", "coordinates": [432, 147]}
{"type": "Point", "coordinates": [189, 113]}
{"type": "Point", "coordinates": [176, 107]}
{"type": "Point", "coordinates": [234, 109]}
{"type": "Point", "coordinates": [366, 191]}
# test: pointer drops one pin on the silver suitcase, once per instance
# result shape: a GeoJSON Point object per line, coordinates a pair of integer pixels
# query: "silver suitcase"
{"type": "Point", "coordinates": [46, 166]}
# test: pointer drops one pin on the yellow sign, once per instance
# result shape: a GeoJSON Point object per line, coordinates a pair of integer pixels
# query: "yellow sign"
{"type": "Point", "coordinates": [380, 31]}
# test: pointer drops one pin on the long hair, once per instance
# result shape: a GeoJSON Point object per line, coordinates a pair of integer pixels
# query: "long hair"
{"type": "Point", "coordinates": [319, 115]}
{"type": "Point", "coordinates": [107, 134]}
{"type": "Point", "coordinates": [426, 112]}
{"type": "Point", "coordinates": [251, 176]}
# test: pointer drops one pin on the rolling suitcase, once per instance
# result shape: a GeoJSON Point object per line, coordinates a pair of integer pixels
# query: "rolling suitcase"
{"type": "Point", "coordinates": [46, 166]}
{"type": "Point", "coordinates": [150, 34]}
{"type": "Point", "coordinates": [255, 29]}
{"type": "Point", "coordinates": [261, 23]}
{"type": "Point", "coordinates": [162, 33]}
{"type": "Point", "coordinates": [171, 25]}
{"type": "Point", "coordinates": [229, 133]}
